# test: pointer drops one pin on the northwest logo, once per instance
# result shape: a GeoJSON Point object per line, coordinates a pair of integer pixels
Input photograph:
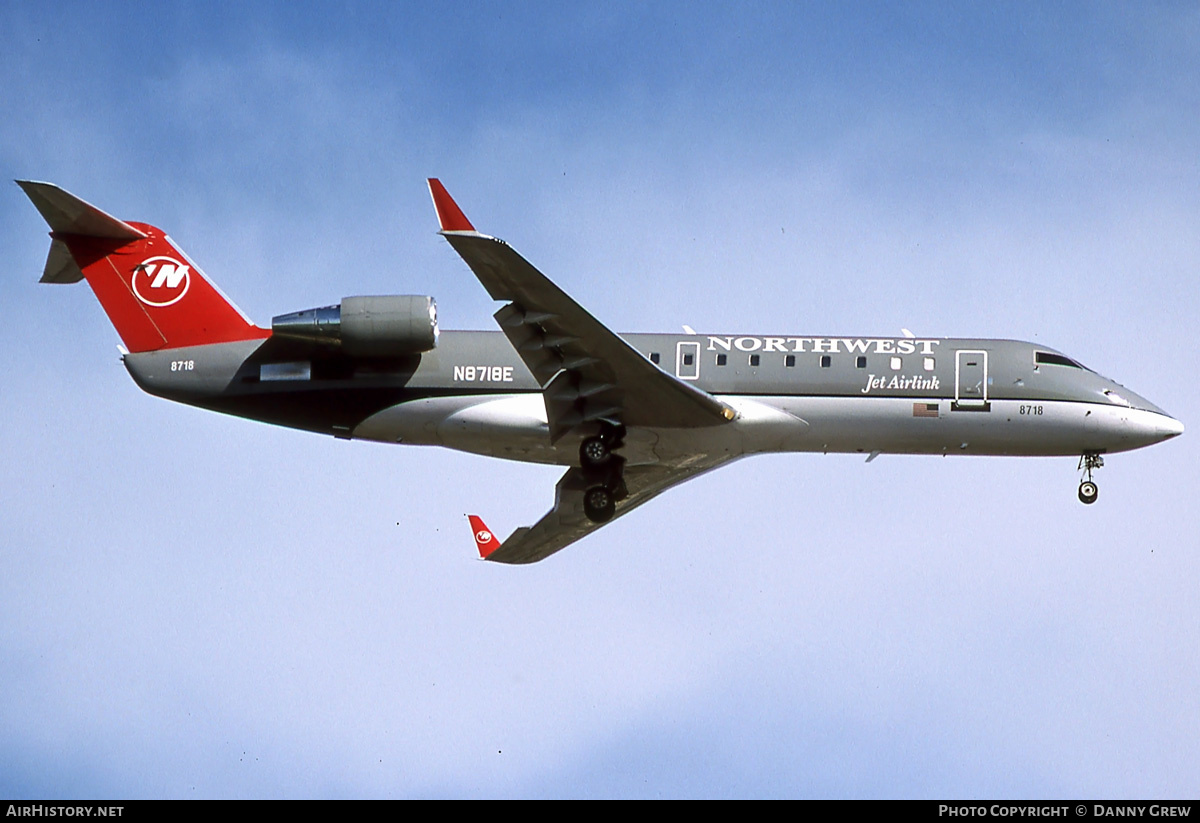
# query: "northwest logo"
{"type": "Point", "coordinates": [161, 281]}
{"type": "Point", "coordinates": [483, 536]}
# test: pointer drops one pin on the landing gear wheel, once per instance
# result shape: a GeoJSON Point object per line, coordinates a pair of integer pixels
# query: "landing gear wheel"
{"type": "Point", "coordinates": [594, 452]}
{"type": "Point", "coordinates": [1088, 492]}
{"type": "Point", "coordinates": [598, 504]}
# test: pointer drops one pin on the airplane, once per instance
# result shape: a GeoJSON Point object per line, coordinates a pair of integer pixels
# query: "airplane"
{"type": "Point", "coordinates": [629, 416]}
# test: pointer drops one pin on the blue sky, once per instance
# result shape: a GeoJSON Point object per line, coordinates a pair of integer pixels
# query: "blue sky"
{"type": "Point", "coordinates": [199, 606]}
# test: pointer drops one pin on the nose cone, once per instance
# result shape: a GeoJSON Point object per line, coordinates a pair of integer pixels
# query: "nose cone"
{"type": "Point", "coordinates": [1151, 423]}
{"type": "Point", "coordinates": [1138, 428]}
{"type": "Point", "coordinates": [1168, 427]}
{"type": "Point", "coordinates": [1121, 429]}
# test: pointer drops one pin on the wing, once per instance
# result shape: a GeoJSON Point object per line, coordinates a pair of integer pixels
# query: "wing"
{"type": "Point", "coordinates": [566, 522]}
{"type": "Point", "coordinates": [588, 374]}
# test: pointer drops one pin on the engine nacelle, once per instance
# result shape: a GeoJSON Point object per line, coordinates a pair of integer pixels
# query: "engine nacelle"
{"type": "Point", "coordinates": [386, 326]}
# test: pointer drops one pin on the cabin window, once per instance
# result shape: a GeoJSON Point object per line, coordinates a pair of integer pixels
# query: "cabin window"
{"type": "Point", "coordinates": [654, 358]}
{"type": "Point", "coordinates": [897, 363]}
{"type": "Point", "coordinates": [790, 361]}
{"type": "Point", "coordinates": [754, 359]}
{"type": "Point", "coordinates": [826, 361]}
{"type": "Point", "coordinates": [861, 362]}
{"type": "Point", "coordinates": [929, 363]}
{"type": "Point", "coordinates": [688, 359]}
{"type": "Point", "coordinates": [721, 359]}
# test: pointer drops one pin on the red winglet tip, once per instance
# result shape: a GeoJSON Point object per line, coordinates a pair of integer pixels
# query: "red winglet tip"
{"type": "Point", "coordinates": [485, 541]}
{"type": "Point", "coordinates": [449, 214]}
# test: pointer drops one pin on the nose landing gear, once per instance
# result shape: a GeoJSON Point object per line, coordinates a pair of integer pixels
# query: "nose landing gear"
{"type": "Point", "coordinates": [1088, 490]}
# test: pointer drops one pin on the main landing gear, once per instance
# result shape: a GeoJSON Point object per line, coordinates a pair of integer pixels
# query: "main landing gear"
{"type": "Point", "coordinates": [604, 471]}
{"type": "Point", "coordinates": [1088, 490]}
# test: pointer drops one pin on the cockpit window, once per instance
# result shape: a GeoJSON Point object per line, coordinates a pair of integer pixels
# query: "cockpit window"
{"type": "Point", "coordinates": [1054, 360]}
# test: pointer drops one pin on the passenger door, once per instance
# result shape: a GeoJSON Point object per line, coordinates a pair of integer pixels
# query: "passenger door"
{"type": "Point", "coordinates": [971, 380]}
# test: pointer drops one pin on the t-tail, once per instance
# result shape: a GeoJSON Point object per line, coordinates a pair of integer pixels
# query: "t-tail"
{"type": "Point", "coordinates": [153, 293]}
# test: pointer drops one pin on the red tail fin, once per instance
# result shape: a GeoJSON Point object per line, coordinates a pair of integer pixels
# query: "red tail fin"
{"type": "Point", "coordinates": [153, 293]}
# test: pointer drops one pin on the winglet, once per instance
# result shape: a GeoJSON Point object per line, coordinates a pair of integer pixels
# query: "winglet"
{"type": "Point", "coordinates": [485, 541]}
{"type": "Point", "coordinates": [449, 214]}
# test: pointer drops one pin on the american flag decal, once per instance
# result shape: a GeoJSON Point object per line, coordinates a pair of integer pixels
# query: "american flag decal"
{"type": "Point", "coordinates": [925, 409]}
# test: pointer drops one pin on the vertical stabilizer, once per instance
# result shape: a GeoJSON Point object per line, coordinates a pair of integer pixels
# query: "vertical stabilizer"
{"type": "Point", "coordinates": [153, 293]}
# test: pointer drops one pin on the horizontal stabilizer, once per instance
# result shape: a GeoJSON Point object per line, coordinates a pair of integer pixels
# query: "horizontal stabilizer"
{"type": "Point", "coordinates": [67, 214]}
{"type": "Point", "coordinates": [60, 265]}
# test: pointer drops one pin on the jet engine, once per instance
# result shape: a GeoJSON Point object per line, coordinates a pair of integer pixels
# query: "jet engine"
{"type": "Point", "coordinates": [386, 326]}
